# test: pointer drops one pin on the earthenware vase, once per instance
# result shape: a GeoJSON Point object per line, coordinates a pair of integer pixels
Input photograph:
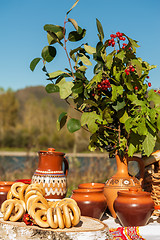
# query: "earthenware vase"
{"type": "Point", "coordinates": [133, 207]}
{"type": "Point", "coordinates": [4, 188]}
{"type": "Point", "coordinates": [92, 185]}
{"type": "Point", "coordinates": [50, 173]}
{"type": "Point", "coordinates": [91, 201]}
{"type": "Point", "coordinates": [122, 180]}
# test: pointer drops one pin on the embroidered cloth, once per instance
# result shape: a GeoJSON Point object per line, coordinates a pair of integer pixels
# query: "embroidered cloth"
{"type": "Point", "coordinates": [126, 233]}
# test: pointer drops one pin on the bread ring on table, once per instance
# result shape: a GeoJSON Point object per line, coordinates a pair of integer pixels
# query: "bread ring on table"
{"type": "Point", "coordinates": [30, 193]}
{"type": "Point", "coordinates": [7, 209]}
{"type": "Point", "coordinates": [22, 192]}
{"type": "Point", "coordinates": [35, 207]}
{"type": "Point", "coordinates": [17, 213]}
{"type": "Point", "coordinates": [40, 199]}
{"type": "Point", "coordinates": [10, 195]}
{"type": "Point", "coordinates": [54, 204]}
{"type": "Point", "coordinates": [52, 218]}
{"type": "Point", "coordinates": [74, 213]}
{"type": "Point", "coordinates": [39, 218]}
{"type": "Point", "coordinates": [36, 186]}
{"type": "Point", "coordinates": [29, 202]}
{"type": "Point", "coordinates": [66, 216]}
{"type": "Point", "coordinates": [15, 188]}
{"type": "Point", "coordinates": [59, 217]}
{"type": "Point", "coordinates": [65, 201]}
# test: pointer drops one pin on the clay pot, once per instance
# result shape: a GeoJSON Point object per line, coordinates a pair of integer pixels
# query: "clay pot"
{"type": "Point", "coordinates": [26, 181]}
{"type": "Point", "coordinates": [50, 173]}
{"type": "Point", "coordinates": [122, 180]}
{"type": "Point", "coordinates": [4, 188]}
{"type": "Point", "coordinates": [91, 202]}
{"type": "Point", "coordinates": [91, 185]}
{"type": "Point", "coordinates": [133, 207]}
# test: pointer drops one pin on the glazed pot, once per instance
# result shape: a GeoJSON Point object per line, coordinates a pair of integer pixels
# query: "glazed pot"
{"type": "Point", "coordinates": [91, 202]}
{"type": "Point", "coordinates": [122, 180]}
{"type": "Point", "coordinates": [91, 185]}
{"type": "Point", "coordinates": [50, 173]}
{"type": "Point", "coordinates": [133, 207]}
{"type": "Point", "coordinates": [4, 188]}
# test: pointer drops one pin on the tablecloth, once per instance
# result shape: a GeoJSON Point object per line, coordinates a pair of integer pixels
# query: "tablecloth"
{"type": "Point", "coordinates": [149, 232]}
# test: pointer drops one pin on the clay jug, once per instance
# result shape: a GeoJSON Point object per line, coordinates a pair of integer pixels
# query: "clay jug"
{"type": "Point", "coordinates": [50, 173]}
{"type": "Point", "coordinates": [4, 188]}
{"type": "Point", "coordinates": [133, 207]}
{"type": "Point", "coordinates": [91, 201]}
{"type": "Point", "coordinates": [122, 180]}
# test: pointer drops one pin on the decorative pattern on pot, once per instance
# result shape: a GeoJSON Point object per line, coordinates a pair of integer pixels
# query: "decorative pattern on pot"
{"type": "Point", "coordinates": [50, 174]}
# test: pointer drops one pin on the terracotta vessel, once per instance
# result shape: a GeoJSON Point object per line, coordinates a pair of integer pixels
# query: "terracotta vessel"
{"type": "Point", "coordinates": [50, 173]}
{"type": "Point", "coordinates": [91, 185]}
{"type": "Point", "coordinates": [4, 188]}
{"type": "Point", "coordinates": [91, 202]}
{"type": "Point", "coordinates": [122, 180]}
{"type": "Point", "coordinates": [133, 207]}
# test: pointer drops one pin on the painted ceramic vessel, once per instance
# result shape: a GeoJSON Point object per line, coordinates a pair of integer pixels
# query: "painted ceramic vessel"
{"type": "Point", "coordinates": [122, 181]}
{"type": "Point", "coordinates": [91, 202]}
{"type": "Point", "coordinates": [50, 173]}
{"type": "Point", "coordinates": [133, 207]}
{"type": "Point", "coordinates": [4, 188]}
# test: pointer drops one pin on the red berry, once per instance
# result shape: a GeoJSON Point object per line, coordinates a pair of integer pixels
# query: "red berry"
{"type": "Point", "coordinates": [117, 51]}
{"type": "Point", "coordinates": [149, 84]}
{"type": "Point", "coordinates": [123, 38]}
{"type": "Point", "coordinates": [120, 34]}
{"type": "Point", "coordinates": [99, 86]}
{"type": "Point", "coordinates": [123, 47]}
{"type": "Point", "coordinates": [109, 41]}
{"type": "Point", "coordinates": [132, 69]}
{"type": "Point", "coordinates": [158, 91]}
{"type": "Point", "coordinates": [113, 43]}
{"type": "Point", "coordinates": [112, 39]}
{"type": "Point", "coordinates": [136, 88]}
{"type": "Point", "coordinates": [155, 90]}
{"type": "Point", "coordinates": [111, 35]}
{"type": "Point", "coordinates": [129, 48]}
{"type": "Point", "coordinates": [114, 36]}
{"type": "Point", "coordinates": [130, 66]}
{"type": "Point", "coordinates": [148, 77]}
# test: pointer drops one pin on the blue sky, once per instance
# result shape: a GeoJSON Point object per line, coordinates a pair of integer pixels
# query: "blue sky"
{"type": "Point", "coordinates": [22, 35]}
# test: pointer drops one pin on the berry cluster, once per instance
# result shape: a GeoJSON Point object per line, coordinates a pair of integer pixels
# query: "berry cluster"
{"type": "Point", "coordinates": [157, 91]}
{"type": "Point", "coordinates": [104, 85]}
{"type": "Point", "coordinates": [113, 36]}
{"type": "Point", "coordinates": [27, 219]}
{"type": "Point", "coordinates": [129, 69]}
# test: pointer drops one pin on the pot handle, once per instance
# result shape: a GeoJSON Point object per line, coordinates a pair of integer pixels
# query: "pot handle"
{"type": "Point", "coordinates": [141, 166]}
{"type": "Point", "coordinates": [66, 166]}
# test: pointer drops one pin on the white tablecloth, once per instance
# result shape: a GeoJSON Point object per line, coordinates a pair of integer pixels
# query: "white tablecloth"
{"type": "Point", "coordinates": [149, 232]}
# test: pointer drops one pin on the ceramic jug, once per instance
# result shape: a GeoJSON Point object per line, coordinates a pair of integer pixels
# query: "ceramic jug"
{"type": "Point", "coordinates": [122, 180]}
{"type": "Point", "coordinates": [50, 173]}
{"type": "Point", "coordinates": [4, 188]}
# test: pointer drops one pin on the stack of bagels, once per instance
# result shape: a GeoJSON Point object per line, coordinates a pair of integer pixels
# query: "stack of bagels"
{"type": "Point", "coordinates": [23, 198]}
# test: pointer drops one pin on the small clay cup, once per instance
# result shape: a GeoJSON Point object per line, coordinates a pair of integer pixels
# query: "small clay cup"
{"type": "Point", "coordinates": [91, 202]}
{"type": "Point", "coordinates": [133, 207]}
{"type": "Point", "coordinates": [4, 188]}
{"type": "Point", "coordinates": [91, 185]}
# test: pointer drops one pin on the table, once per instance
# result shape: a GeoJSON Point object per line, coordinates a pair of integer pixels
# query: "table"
{"type": "Point", "coordinates": [149, 232]}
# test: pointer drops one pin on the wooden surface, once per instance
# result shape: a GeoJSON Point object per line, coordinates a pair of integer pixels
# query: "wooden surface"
{"type": "Point", "coordinates": [88, 228]}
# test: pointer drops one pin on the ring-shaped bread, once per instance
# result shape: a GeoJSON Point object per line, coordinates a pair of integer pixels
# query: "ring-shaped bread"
{"type": "Point", "coordinates": [17, 213]}
{"type": "Point", "coordinates": [52, 218]}
{"type": "Point", "coordinates": [40, 199]}
{"type": "Point", "coordinates": [35, 207]}
{"type": "Point", "coordinates": [66, 216]}
{"type": "Point", "coordinates": [75, 212]}
{"type": "Point", "coordinates": [35, 186]}
{"type": "Point", "coordinates": [22, 192]}
{"type": "Point", "coordinates": [59, 217]}
{"type": "Point", "coordinates": [30, 193]}
{"type": "Point", "coordinates": [39, 218]}
{"type": "Point", "coordinates": [15, 188]}
{"type": "Point", "coordinates": [7, 211]}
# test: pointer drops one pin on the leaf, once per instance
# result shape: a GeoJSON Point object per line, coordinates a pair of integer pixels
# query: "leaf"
{"type": "Point", "coordinates": [56, 74]}
{"type": "Point", "coordinates": [149, 144]}
{"type": "Point", "coordinates": [97, 78]}
{"type": "Point", "coordinates": [133, 144]}
{"type": "Point", "coordinates": [82, 68]}
{"type": "Point", "coordinates": [34, 63]}
{"type": "Point", "coordinates": [55, 33]}
{"type": "Point", "coordinates": [124, 118]}
{"type": "Point", "coordinates": [89, 119]}
{"type": "Point", "coordinates": [116, 91]}
{"type": "Point", "coordinates": [89, 49]}
{"type": "Point", "coordinates": [109, 60]}
{"type": "Point", "coordinates": [120, 55]}
{"type": "Point", "coordinates": [158, 122]}
{"type": "Point", "coordinates": [142, 130]}
{"type": "Point", "coordinates": [52, 88]}
{"type": "Point", "coordinates": [154, 97]}
{"type": "Point", "coordinates": [84, 59]}
{"type": "Point", "coordinates": [73, 125]}
{"type": "Point", "coordinates": [77, 88]}
{"type": "Point", "coordinates": [119, 106]}
{"type": "Point", "coordinates": [74, 23]}
{"type": "Point", "coordinates": [138, 66]}
{"type": "Point", "coordinates": [61, 121]}
{"type": "Point", "coordinates": [73, 6]}
{"type": "Point", "coordinates": [74, 36]}
{"type": "Point", "coordinates": [48, 53]}
{"type": "Point", "coordinates": [65, 88]}
{"type": "Point", "coordinates": [100, 30]}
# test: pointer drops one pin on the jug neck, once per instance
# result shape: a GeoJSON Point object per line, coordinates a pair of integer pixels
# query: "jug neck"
{"type": "Point", "coordinates": [122, 166]}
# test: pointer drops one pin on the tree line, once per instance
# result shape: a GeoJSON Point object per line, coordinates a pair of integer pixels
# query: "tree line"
{"type": "Point", "coordinates": [28, 121]}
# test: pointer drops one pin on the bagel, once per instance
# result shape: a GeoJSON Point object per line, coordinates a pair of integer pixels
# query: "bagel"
{"type": "Point", "coordinates": [36, 186]}
{"type": "Point", "coordinates": [22, 192]}
{"type": "Point", "coordinates": [52, 218]}
{"type": "Point", "coordinates": [15, 188]}
{"type": "Point", "coordinates": [35, 207]}
{"type": "Point", "coordinates": [59, 217]}
{"type": "Point", "coordinates": [18, 212]}
{"type": "Point", "coordinates": [39, 218]}
{"type": "Point", "coordinates": [66, 216]}
{"type": "Point", "coordinates": [74, 211]}
{"type": "Point", "coordinates": [40, 199]}
{"type": "Point", "coordinates": [8, 211]}
{"type": "Point", "coordinates": [30, 193]}
{"type": "Point", "coordinates": [29, 202]}
{"type": "Point", "coordinates": [10, 195]}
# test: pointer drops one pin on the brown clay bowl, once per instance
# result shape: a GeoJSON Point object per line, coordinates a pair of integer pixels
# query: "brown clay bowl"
{"type": "Point", "coordinates": [91, 185]}
{"type": "Point", "coordinates": [4, 188]}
